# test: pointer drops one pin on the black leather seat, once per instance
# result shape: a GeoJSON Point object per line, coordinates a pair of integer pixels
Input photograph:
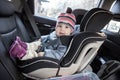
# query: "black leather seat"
{"type": "Point", "coordinates": [81, 50]}
{"type": "Point", "coordinates": [10, 27]}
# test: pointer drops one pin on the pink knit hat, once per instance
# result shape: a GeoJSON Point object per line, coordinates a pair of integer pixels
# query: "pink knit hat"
{"type": "Point", "coordinates": [67, 18]}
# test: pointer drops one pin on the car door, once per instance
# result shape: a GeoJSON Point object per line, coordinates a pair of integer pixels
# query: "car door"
{"type": "Point", "coordinates": [111, 47]}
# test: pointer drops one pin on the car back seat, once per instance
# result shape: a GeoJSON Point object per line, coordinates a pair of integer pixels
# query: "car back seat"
{"type": "Point", "coordinates": [10, 27]}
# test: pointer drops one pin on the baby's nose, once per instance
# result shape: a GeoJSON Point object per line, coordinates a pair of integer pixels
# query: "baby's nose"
{"type": "Point", "coordinates": [62, 29]}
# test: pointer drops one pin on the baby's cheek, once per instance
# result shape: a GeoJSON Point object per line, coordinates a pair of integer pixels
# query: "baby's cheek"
{"type": "Point", "coordinates": [57, 34]}
{"type": "Point", "coordinates": [71, 30]}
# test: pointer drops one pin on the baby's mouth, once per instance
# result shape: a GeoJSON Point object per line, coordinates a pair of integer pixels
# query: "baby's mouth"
{"type": "Point", "coordinates": [61, 33]}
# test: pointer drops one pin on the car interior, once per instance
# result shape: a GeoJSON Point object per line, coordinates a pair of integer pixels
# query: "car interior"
{"type": "Point", "coordinates": [97, 37]}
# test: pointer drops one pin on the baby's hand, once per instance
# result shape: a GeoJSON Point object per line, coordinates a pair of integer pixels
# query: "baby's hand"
{"type": "Point", "coordinates": [34, 45]}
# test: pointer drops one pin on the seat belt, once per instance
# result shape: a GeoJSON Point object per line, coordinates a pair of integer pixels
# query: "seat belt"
{"type": "Point", "coordinates": [31, 19]}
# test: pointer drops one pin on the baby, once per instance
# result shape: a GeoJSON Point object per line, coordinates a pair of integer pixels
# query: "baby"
{"type": "Point", "coordinates": [49, 45]}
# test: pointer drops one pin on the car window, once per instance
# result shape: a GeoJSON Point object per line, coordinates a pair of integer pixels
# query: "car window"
{"type": "Point", "coordinates": [113, 26]}
{"type": "Point", "coordinates": [51, 8]}
{"type": "Point", "coordinates": [9, 0]}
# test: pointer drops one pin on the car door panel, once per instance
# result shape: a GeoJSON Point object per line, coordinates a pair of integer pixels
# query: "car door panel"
{"type": "Point", "coordinates": [45, 25]}
{"type": "Point", "coordinates": [111, 47]}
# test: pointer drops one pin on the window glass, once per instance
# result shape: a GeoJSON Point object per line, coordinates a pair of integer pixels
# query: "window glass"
{"type": "Point", "coordinates": [113, 26]}
{"type": "Point", "coordinates": [51, 8]}
{"type": "Point", "coordinates": [9, 0]}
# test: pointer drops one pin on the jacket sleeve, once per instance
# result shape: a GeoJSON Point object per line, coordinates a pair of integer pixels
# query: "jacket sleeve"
{"type": "Point", "coordinates": [57, 54]}
{"type": "Point", "coordinates": [44, 38]}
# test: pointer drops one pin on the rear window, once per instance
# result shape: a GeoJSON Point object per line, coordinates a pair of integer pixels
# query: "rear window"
{"type": "Point", "coordinates": [51, 8]}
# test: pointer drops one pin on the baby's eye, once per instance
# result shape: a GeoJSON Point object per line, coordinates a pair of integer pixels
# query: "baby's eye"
{"type": "Point", "coordinates": [59, 26]}
{"type": "Point", "coordinates": [66, 27]}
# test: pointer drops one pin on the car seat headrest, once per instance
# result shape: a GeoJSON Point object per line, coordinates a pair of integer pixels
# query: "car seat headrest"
{"type": "Point", "coordinates": [79, 13]}
{"type": "Point", "coordinates": [95, 20]}
{"type": "Point", "coordinates": [6, 8]}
